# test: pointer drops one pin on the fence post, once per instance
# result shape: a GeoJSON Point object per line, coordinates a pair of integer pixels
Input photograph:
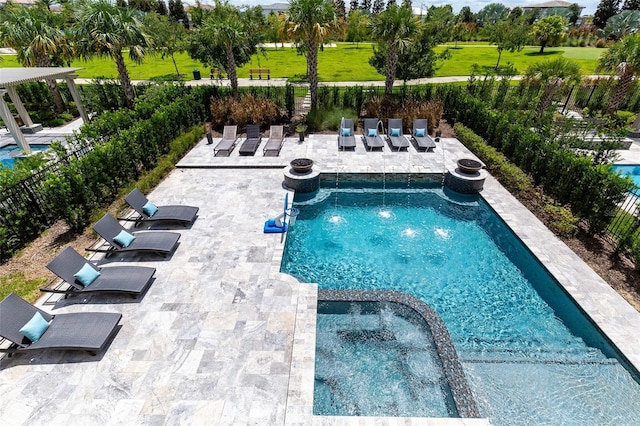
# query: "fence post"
{"type": "Point", "coordinates": [564, 108]}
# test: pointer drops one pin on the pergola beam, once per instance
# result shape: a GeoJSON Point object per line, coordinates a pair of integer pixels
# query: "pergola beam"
{"type": "Point", "coordinates": [11, 124]}
{"type": "Point", "coordinates": [12, 77]}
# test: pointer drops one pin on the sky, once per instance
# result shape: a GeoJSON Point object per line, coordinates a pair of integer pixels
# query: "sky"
{"type": "Point", "coordinates": [475, 5]}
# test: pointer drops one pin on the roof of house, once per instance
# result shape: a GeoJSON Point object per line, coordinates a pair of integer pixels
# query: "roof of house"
{"type": "Point", "coordinates": [550, 5]}
{"type": "Point", "coordinates": [23, 2]}
{"type": "Point", "coordinates": [275, 6]}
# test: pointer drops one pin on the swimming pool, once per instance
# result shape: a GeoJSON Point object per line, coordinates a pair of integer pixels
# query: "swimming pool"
{"type": "Point", "coordinates": [631, 170]}
{"type": "Point", "coordinates": [528, 352]}
{"type": "Point", "coordinates": [9, 152]}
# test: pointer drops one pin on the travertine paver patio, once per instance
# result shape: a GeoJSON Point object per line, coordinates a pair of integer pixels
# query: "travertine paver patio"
{"type": "Point", "coordinates": [222, 337]}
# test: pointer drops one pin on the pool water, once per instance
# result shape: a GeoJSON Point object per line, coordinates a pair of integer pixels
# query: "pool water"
{"type": "Point", "coordinates": [8, 152]}
{"type": "Point", "coordinates": [392, 341]}
{"type": "Point", "coordinates": [631, 170]}
{"type": "Point", "coordinates": [529, 354]}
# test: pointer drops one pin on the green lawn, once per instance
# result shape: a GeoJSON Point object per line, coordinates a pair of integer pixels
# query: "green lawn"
{"type": "Point", "coordinates": [486, 56]}
{"type": "Point", "coordinates": [346, 62]}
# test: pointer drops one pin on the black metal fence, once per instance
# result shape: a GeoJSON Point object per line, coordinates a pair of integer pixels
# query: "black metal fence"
{"type": "Point", "coordinates": [25, 210]}
{"type": "Point", "coordinates": [625, 227]}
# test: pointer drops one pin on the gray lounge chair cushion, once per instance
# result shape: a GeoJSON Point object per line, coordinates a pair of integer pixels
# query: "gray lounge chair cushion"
{"type": "Point", "coordinates": [88, 331]}
{"type": "Point", "coordinates": [397, 142]}
{"type": "Point", "coordinates": [170, 213]}
{"type": "Point", "coordinates": [130, 280]}
{"type": "Point", "coordinates": [162, 242]}
{"type": "Point", "coordinates": [347, 141]}
{"type": "Point", "coordinates": [228, 141]}
{"type": "Point", "coordinates": [275, 141]}
{"type": "Point", "coordinates": [250, 145]}
{"type": "Point", "coordinates": [422, 142]}
{"type": "Point", "coordinates": [372, 141]}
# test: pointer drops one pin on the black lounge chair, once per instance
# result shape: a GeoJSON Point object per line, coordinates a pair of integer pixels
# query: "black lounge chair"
{"type": "Point", "coordinates": [346, 137]}
{"type": "Point", "coordinates": [228, 141]}
{"type": "Point", "coordinates": [83, 331]}
{"type": "Point", "coordinates": [423, 142]}
{"type": "Point", "coordinates": [370, 135]}
{"type": "Point", "coordinates": [181, 214]}
{"type": "Point", "coordinates": [274, 143]}
{"type": "Point", "coordinates": [129, 280]}
{"type": "Point", "coordinates": [250, 145]}
{"type": "Point", "coordinates": [394, 134]}
{"type": "Point", "coordinates": [161, 242]}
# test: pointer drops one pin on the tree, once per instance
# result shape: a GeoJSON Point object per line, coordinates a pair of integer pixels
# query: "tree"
{"type": "Point", "coordinates": [310, 22]}
{"type": "Point", "coordinates": [169, 36]}
{"type": "Point", "coordinates": [574, 14]}
{"type": "Point", "coordinates": [357, 26]}
{"type": "Point", "coordinates": [492, 13]}
{"type": "Point", "coordinates": [378, 6]}
{"type": "Point", "coordinates": [276, 29]}
{"type": "Point", "coordinates": [631, 5]}
{"type": "Point", "coordinates": [227, 38]}
{"type": "Point", "coordinates": [624, 58]}
{"type": "Point", "coordinates": [507, 35]}
{"type": "Point", "coordinates": [393, 30]}
{"type": "Point", "coordinates": [391, 3]}
{"type": "Point", "coordinates": [176, 11]}
{"type": "Point", "coordinates": [552, 74]}
{"type": "Point", "coordinates": [37, 35]}
{"type": "Point", "coordinates": [549, 31]}
{"type": "Point", "coordinates": [354, 5]}
{"type": "Point", "coordinates": [606, 9]}
{"type": "Point", "coordinates": [366, 6]}
{"type": "Point", "coordinates": [466, 15]}
{"type": "Point", "coordinates": [458, 32]}
{"type": "Point", "coordinates": [419, 58]}
{"type": "Point", "coordinates": [515, 14]}
{"type": "Point", "coordinates": [341, 9]}
{"type": "Point", "coordinates": [105, 30]}
{"type": "Point", "coordinates": [440, 20]}
{"type": "Point", "coordinates": [622, 24]}
{"type": "Point", "coordinates": [161, 8]}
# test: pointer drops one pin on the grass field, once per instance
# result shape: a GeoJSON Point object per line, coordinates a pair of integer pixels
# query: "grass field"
{"type": "Point", "coordinates": [345, 62]}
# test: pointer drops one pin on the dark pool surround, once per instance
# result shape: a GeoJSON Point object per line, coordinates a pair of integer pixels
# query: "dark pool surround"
{"type": "Point", "coordinates": [462, 396]}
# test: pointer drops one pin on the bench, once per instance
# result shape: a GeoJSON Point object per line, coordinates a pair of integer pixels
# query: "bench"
{"type": "Point", "coordinates": [260, 72]}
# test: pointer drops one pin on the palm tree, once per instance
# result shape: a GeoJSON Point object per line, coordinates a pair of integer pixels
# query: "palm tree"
{"type": "Point", "coordinates": [103, 29]}
{"type": "Point", "coordinates": [227, 39]}
{"type": "Point", "coordinates": [623, 57]}
{"type": "Point", "coordinates": [37, 36]}
{"type": "Point", "coordinates": [226, 30]}
{"type": "Point", "coordinates": [553, 74]}
{"type": "Point", "coordinates": [394, 28]}
{"type": "Point", "coordinates": [309, 24]}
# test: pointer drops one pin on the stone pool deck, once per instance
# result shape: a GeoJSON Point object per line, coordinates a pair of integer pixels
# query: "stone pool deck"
{"type": "Point", "coordinates": [222, 337]}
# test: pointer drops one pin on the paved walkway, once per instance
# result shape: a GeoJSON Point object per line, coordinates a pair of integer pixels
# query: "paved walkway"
{"type": "Point", "coordinates": [222, 337]}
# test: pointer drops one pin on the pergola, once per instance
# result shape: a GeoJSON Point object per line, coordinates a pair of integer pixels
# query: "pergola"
{"type": "Point", "coordinates": [12, 77]}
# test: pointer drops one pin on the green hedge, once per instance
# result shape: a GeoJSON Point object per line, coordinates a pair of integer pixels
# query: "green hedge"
{"type": "Point", "coordinates": [115, 149]}
{"type": "Point", "coordinates": [94, 180]}
{"type": "Point", "coordinates": [592, 191]}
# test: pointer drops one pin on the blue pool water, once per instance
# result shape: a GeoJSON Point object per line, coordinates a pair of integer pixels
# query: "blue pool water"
{"type": "Point", "coordinates": [393, 342]}
{"type": "Point", "coordinates": [7, 153]}
{"type": "Point", "coordinates": [529, 354]}
{"type": "Point", "coordinates": [631, 170]}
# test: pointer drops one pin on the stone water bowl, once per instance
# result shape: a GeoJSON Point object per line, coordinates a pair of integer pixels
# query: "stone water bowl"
{"type": "Point", "coordinates": [301, 165]}
{"type": "Point", "coordinates": [469, 166]}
